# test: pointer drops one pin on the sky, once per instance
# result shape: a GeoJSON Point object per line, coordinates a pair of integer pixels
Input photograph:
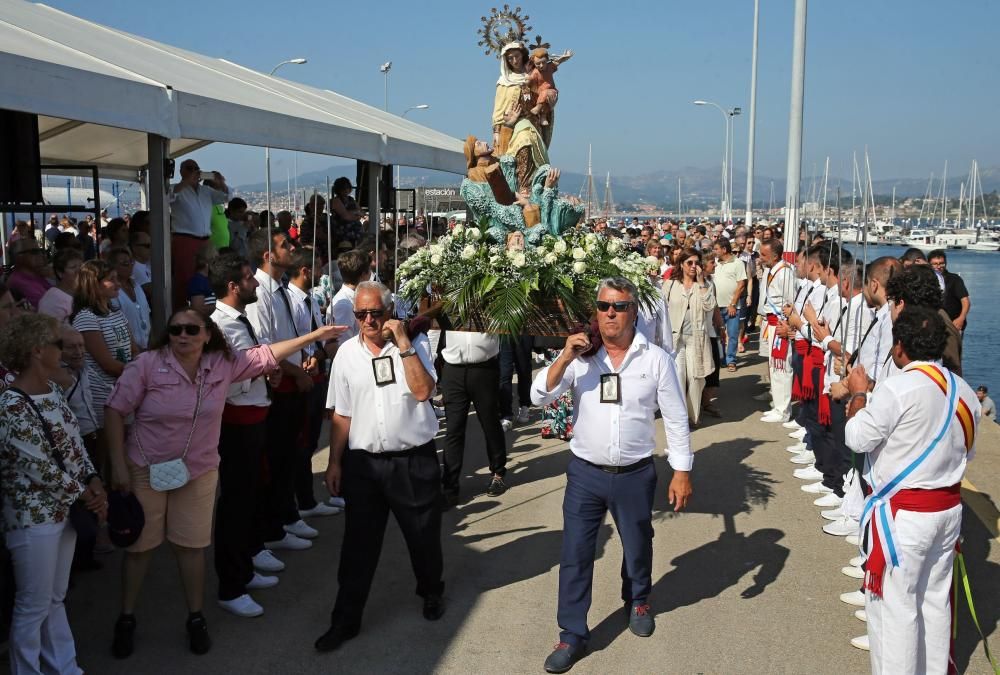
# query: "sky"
{"type": "Point", "coordinates": [913, 80]}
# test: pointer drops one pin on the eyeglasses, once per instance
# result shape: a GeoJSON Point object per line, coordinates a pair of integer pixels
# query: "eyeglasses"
{"type": "Point", "coordinates": [620, 305]}
{"type": "Point", "coordinates": [690, 262]}
{"type": "Point", "coordinates": [191, 329]}
{"type": "Point", "coordinates": [375, 314]}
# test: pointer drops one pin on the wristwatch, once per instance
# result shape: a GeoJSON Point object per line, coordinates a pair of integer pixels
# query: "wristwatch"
{"type": "Point", "coordinates": [409, 352]}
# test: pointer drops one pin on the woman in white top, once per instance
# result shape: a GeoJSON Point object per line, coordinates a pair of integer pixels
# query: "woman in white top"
{"type": "Point", "coordinates": [131, 300]}
{"type": "Point", "coordinates": [58, 300]}
{"type": "Point", "coordinates": [690, 305]}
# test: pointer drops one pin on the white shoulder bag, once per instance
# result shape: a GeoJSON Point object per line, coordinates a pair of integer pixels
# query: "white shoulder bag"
{"type": "Point", "coordinates": [173, 473]}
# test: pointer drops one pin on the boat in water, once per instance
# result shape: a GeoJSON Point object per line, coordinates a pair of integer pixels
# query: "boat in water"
{"type": "Point", "coordinates": [925, 240]}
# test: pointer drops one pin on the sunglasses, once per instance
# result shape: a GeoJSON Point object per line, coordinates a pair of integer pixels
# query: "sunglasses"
{"type": "Point", "coordinates": [688, 263]}
{"type": "Point", "coordinates": [191, 329]}
{"type": "Point", "coordinates": [375, 314]}
{"type": "Point", "coordinates": [620, 305]}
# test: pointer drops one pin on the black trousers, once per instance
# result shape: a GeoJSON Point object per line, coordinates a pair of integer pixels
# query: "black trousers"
{"type": "Point", "coordinates": [833, 457]}
{"type": "Point", "coordinates": [308, 441]}
{"type": "Point", "coordinates": [284, 423]}
{"type": "Point", "coordinates": [461, 386]}
{"type": "Point", "coordinates": [408, 484]}
{"type": "Point", "coordinates": [238, 513]}
{"type": "Point", "coordinates": [515, 356]}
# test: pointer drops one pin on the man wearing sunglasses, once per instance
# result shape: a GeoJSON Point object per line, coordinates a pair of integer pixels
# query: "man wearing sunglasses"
{"type": "Point", "coordinates": [382, 459]}
{"type": "Point", "coordinates": [617, 389]}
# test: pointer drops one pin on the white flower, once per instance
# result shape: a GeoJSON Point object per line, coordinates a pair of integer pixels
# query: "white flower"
{"type": "Point", "coordinates": [614, 245]}
{"type": "Point", "coordinates": [579, 267]}
{"type": "Point", "coordinates": [436, 250]}
{"type": "Point", "coordinates": [550, 258]}
{"type": "Point", "coordinates": [458, 229]}
{"type": "Point", "coordinates": [579, 253]}
{"type": "Point", "coordinates": [436, 259]}
{"type": "Point", "coordinates": [652, 261]}
{"type": "Point", "coordinates": [559, 246]}
{"type": "Point", "coordinates": [494, 259]}
{"type": "Point", "coordinates": [590, 238]}
{"type": "Point", "coordinates": [474, 234]}
{"type": "Point", "coordinates": [519, 259]}
{"type": "Point", "coordinates": [469, 252]}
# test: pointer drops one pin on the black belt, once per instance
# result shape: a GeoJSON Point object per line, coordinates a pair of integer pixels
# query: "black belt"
{"type": "Point", "coordinates": [426, 448]}
{"type": "Point", "coordinates": [493, 362]}
{"type": "Point", "coordinates": [189, 236]}
{"type": "Point", "coordinates": [645, 461]}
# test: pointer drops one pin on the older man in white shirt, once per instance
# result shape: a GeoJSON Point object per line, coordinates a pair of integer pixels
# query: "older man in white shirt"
{"type": "Point", "coordinates": [382, 459]}
{"type": "Point", "coordinates": [918, 431]}
{"type": "Point", "coordinates": [616, 392]}
{"type": "Point", "coordinates": [191, 222]}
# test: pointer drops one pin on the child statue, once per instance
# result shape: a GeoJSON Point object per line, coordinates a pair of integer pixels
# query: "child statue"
{"type": "Point", "coordinates": [543, 84]}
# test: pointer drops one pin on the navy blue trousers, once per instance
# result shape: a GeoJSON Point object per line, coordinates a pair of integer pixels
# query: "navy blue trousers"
{"type": "Point", "coordinates": [590, 493]}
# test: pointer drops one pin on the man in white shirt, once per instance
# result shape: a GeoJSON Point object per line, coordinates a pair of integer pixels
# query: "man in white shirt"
{"type": "Point", "coordinates": [191, 222]}
{"type": "Point", "coordinates": [353, 266]}
{"type": "Point", "coordinates": [382, 459]}
{"type": "Point", "coordinates": [777, 289]}
{"type": "Point", "coordinates": [239, 547]}
{"type": "Point", "coordinates": [471, 375]}
{"type": "Point", "coordinates": [876, 347]}
{"type": "Point", "coordinates": [730, 281]}
{"type": "Point", "coordinates": [273, 320]}
{"type": "Point", "coordinates": [616, 392]}
{"type": "Point", "coordinates": [919, 431]}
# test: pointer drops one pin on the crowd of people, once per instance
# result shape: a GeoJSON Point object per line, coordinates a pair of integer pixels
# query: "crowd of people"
{"type": "Point", "coordinates": [205, 434]}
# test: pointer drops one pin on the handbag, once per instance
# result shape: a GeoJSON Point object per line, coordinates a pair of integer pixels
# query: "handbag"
{"type": "Point", "coordinates": [172, 474]}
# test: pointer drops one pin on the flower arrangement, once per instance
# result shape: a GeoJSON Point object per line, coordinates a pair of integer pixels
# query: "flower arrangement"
{"type": "Point", "coordinates": [497, 290]}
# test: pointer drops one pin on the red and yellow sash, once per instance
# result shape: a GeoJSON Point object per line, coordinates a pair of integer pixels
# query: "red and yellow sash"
{"type": "Point", "coordinates": [962, 412]}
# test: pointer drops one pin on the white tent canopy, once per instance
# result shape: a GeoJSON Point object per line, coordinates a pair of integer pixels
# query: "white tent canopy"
{"type": "Point", "coordinates": [99, 91]}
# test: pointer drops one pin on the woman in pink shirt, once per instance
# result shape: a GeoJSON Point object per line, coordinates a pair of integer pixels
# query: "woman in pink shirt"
{"type": "Point", "coordinates": [177, 392]}
{"type": "Point", "coordinates": [58, 300]}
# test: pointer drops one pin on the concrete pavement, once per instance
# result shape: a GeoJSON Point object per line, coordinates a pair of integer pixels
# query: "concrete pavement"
{"type": "Point", "coordinates": [745, 581]}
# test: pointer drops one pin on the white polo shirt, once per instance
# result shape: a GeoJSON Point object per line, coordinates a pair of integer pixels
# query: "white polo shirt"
{"type": "Point", "coordinates": [384, 418]}
{"type": "Point", "coordinates": [191, 209]}
{"type": "Point", "coordinates": [466, 348]}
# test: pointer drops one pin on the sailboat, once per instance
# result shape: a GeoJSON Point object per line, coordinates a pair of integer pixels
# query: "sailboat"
{"type": "Point", "coordinates": [984, 243]}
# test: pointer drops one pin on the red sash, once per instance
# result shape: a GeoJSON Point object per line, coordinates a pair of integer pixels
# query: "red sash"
{"type": "Point", "coordinates": [921, 501]}
{"type": "Point", "coordinates": [779, 346]}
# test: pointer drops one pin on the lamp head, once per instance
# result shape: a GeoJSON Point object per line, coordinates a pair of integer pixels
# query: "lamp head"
{"type": "Point", "coordinates": [385, 67]}
{"type": "Point", "coordinates": [700, 102]}
{"type": "Point", "coordinates": [298, 61]}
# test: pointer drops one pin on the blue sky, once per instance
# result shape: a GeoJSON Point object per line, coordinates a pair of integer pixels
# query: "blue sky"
{"type": "Point", "coordinates": [913, 80]}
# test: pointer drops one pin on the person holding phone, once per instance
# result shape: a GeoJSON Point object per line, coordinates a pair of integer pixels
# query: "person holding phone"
{"type": "Point", "coordinates": [616, 390]}
{"type": "Point", "coordinates": [191, 208]}
{"type": "Point", "coordinates": [691, 305]}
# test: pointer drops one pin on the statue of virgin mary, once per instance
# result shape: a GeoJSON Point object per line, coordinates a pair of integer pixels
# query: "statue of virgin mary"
{"type": "Point", "coordinates": [512, 86]}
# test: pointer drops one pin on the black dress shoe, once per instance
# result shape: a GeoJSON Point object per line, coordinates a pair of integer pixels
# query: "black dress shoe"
{"type": "Point", "coordinates": [496, 487]}
{"type": "Point", "coordinates": [449, 500]}
{"type": "Point", "coordinates": [640, 619]}
{"type": "Point", "coordinates": [563, 657]}
{"type": "Point", "coordinates": [124, 641]}
{"type": "Point", "coordinates": [335, 637]}
{"type": "Point", "coordinates": [433, 607]}
{"type": "Point", "coordinates": [198, 639]}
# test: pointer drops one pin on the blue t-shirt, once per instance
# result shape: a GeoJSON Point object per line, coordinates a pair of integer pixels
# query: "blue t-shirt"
{"type": "Point", "coordinates": [199, 285]}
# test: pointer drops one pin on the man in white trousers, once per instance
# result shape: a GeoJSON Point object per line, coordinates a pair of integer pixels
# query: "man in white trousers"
{"type": "Point", "coordinates": [777, 290]}
{"type": "Point", "coordinates": [918, 430]}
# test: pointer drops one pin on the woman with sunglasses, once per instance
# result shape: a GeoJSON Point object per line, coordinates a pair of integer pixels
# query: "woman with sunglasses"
{"type": "Point", "coordinates": [177, 392]}
{"type": "Point", "coordinates": [44, 470]}
{"type": "Point", "coordinates": [691, 305]}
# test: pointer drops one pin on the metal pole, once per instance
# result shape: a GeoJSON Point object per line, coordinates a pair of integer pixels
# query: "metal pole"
{"type": "Point", "coordinates": [794, 173]}
{"type": "Point", "coordinates": [159, 231]}
{"type": "Point", "coordinates": [732, 144]}
{"type": "Point", "coordinates": [725, 163]}
{"type": "Point", "coordinates": [748, 216]}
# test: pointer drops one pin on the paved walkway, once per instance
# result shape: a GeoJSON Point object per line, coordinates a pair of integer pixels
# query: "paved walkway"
{"type": "Point", "coordinates": [744, 582]}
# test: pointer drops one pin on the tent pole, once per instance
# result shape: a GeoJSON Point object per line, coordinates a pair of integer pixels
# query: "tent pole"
{"type": "Point", "coordinates": [159, 230]}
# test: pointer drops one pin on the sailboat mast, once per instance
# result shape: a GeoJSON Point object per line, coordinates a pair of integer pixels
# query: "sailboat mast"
{"type": "Point", "coordinates": [826, 177]}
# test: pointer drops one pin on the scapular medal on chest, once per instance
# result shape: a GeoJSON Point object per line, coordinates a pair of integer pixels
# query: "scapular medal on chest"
{"type": "Point", "coordinates": [384, 371]}
{"type": "Point", "coordinates": [611, 389]}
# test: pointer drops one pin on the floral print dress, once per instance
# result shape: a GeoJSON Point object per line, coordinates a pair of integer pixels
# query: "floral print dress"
{"type": "Point", "coordinates": [557, 417]}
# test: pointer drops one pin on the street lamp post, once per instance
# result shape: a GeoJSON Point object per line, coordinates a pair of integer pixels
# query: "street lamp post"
{"type": "Point", "coordinates": [732, 143]}
{"type": "Point", "coordinates": [267, 149]}
{"type": "Point", "coordinates": [384, 69]}
{"type": "Point", "coordinates": [725, 152]}
{"type": "Point", "coordinates": [753, 117]}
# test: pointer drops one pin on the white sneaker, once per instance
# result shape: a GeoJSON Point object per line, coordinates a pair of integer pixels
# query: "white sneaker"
{"type": "Point", "coordinates": [842, 527]}
{"type": "Point", "coordinates": [320, 509]}
{"type": "Point", "coordinates": [806, 458]}
{"type": "Point", "coordinates": [798, 434]}
{"type": "Point", "coordinates": [773, 417]}
{"type": "Point", "coordinates": [861, 615]}
{"type": "Point", "coordinates": [808, 473]}
{"type": "Point", "coordinates": [265, 561]}
{"type": "Point", "coordinates": [792, 425]}
{"type": "Point", "coordinates": [336, 501]}
{"type": "Point", "coordinates": [861, 642]}
{"type": "Point", "coordinates": [523, 414]}
{"type": "Point", "coordinates": [857, 561]}
{"type": "Point", "coordinates": [506, 424]}
{"type": "Point", "coordinates": [242, 606]}
{"type": "Point", "coordinates": [288, 543]}
{"type": "Point", "coordinates": [833, 514]}
{"type": "Point", "coordinates": [853, 540]}
{"type": "Point", "coordinates": [853, 572]}
{"type": "Point", "coordinates": [301, 530]}
{"type": "Point", "coordinates": [798, 447]}
{"type": "Point", "coordinates": [259, 581]}
{"type": "Point", "coordinates": [817, 488]}
{"type": "Point", "coordinates": [829, 501]}
{"type": "Point", "coordinates": [856, 598]}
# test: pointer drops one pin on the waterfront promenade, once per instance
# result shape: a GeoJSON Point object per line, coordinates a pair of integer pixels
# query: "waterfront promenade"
{"type": "Point", "coordinates": [744, 582]}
